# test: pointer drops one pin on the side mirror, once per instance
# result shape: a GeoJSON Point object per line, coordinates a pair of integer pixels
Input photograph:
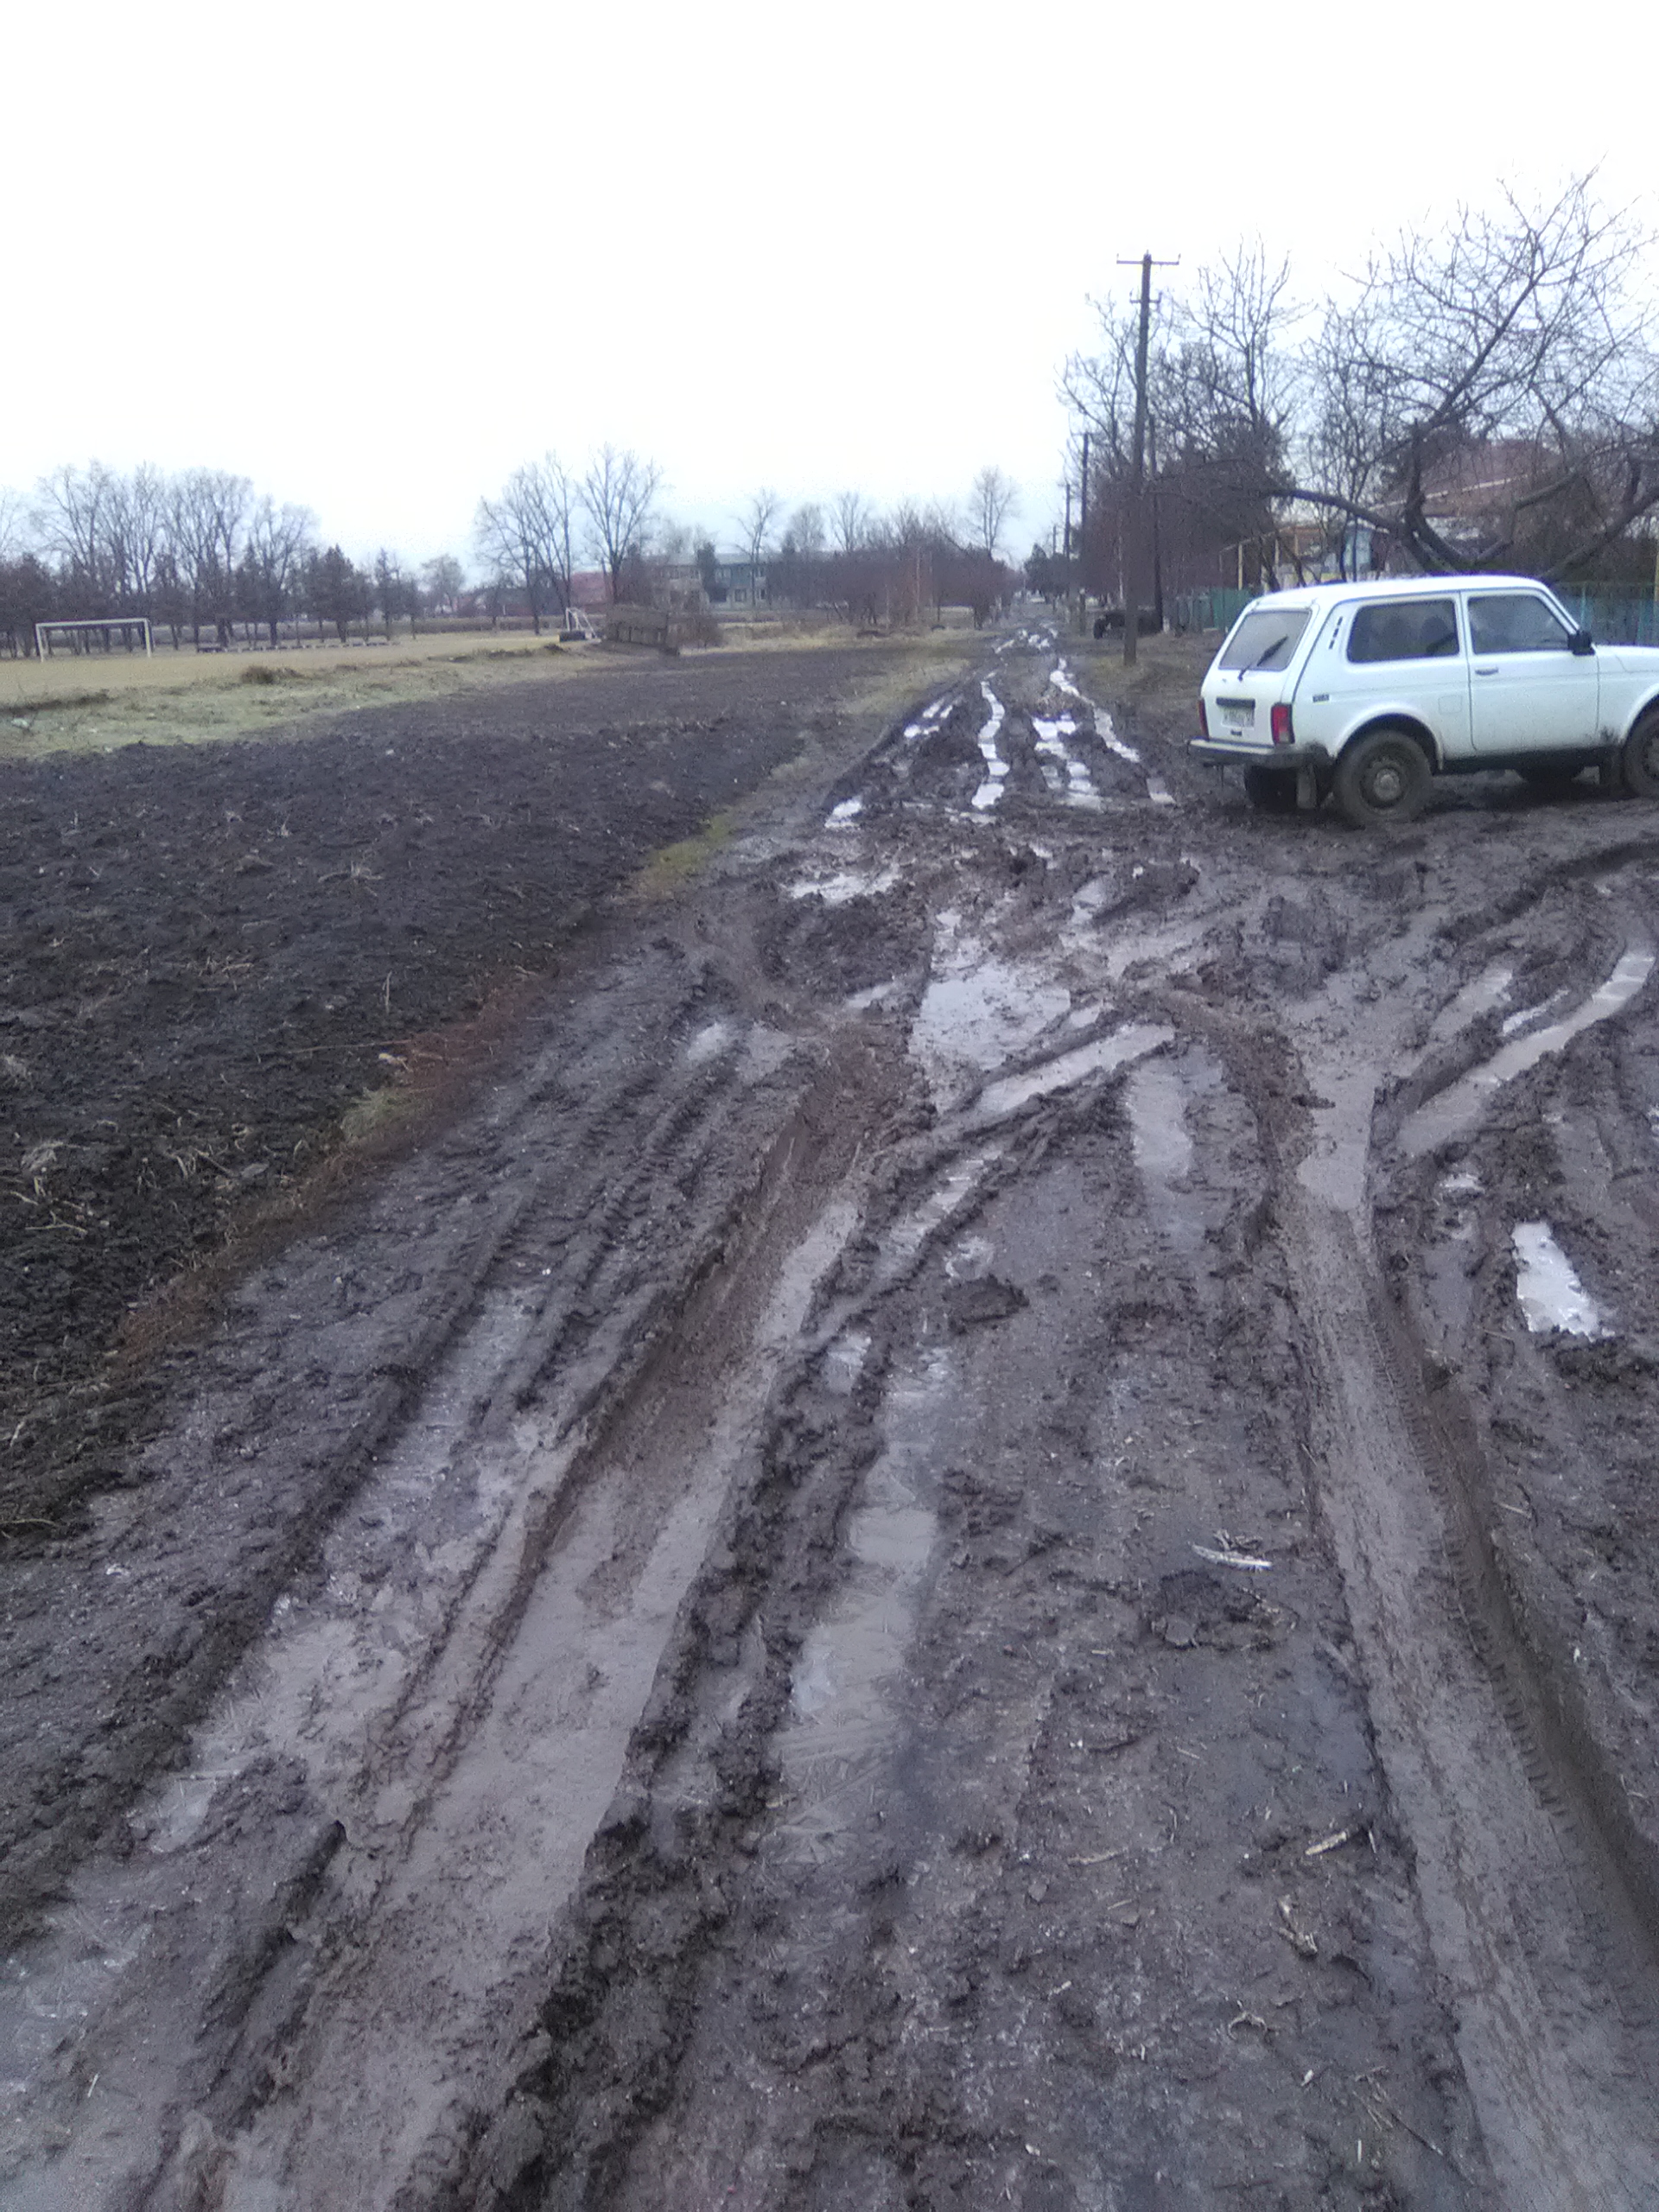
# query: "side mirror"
{"type": "Point", "coordinates": [1583, 642]}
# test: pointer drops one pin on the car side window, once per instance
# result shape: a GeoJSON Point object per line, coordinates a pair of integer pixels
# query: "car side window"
{"type": "Point", "coordinates": [1404, 629]}
{"type": "Point", "coordinates": [1517, 622]}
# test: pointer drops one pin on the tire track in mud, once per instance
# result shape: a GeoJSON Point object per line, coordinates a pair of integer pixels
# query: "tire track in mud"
{"type": "Point", "coordinates": [492, 1476]}
{"type": "Point", "coordinates": [773, 2043]}
{"type": "Point", "coordinates": [1619, 1866]}
{"type": "Point", "coordinates": [1513, 1928]}
{"type": "Point", "coordinates": [1548, 2053]}
{"type": "Point", "coordinates": [879, 1867]}
{"type": "Point", "coordinates": [975, 748]}
{"type": "Point", "coordinates": [534, 1762]}
{"type": "Point", "coordinates": [1542, 1916]}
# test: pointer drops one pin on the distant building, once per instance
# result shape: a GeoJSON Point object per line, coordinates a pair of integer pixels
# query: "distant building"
{"type": "Point", "coordinates": [735, 580]}
{"type": "Point", "coordinates": [590, 589]}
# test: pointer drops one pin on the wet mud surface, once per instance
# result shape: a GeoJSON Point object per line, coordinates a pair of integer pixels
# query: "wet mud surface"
{"type": "Point", "coordinates": [211, 959]}
{"type": "Point", "coordinates": [982, 1535]}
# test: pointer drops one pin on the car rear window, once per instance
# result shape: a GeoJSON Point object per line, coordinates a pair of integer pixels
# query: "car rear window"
{"type": "Point", "coordinates": [1265, 639]}
{"type": "Point", "coordinates": [1404, 629]}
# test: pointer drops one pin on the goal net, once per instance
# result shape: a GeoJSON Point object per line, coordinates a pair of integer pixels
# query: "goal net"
{"type": "Point", "coordinates": [132, 630]}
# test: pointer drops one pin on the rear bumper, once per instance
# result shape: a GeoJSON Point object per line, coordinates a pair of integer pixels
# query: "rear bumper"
{"type": "Point", "coordinates": [1223, 752]}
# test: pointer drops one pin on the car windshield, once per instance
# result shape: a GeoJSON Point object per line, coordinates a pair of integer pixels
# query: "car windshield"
{"type": "Point", "coordinates": [1265, 639]}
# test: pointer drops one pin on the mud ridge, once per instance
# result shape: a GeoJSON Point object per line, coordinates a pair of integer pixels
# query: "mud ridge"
{"type": "Point", "coordinates": [603, 2062]}
{"type": "Point", "coordinates": [1564, 1755]}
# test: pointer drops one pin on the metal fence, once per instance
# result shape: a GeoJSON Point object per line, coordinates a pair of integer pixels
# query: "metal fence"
{"type": "Point", "coordinates": [1611, 618]}
{"type": "Point", "coordinates": [1614, 619]}
{"type": "Point", "coordinates": [1206, 610]}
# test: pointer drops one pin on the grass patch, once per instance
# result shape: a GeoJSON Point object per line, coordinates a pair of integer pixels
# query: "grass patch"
{"type": "Point", "coordinates": [269, 671]}
{"type": "Point", "coordinates": [378, 1114]}
{"type": "Point", "coordinates": [672, 868]}
{"type": "Point", "coordinates": [47, 703]}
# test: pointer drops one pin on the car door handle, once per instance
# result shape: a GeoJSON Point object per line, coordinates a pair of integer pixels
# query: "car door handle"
{"type": "Point", "coordinates": [1486, 671]}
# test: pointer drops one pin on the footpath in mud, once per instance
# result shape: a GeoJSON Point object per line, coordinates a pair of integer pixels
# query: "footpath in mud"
{"type": "Point", "coordinates": [981, 1538]}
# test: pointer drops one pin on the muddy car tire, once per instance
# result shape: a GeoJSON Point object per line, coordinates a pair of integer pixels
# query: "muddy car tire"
{"type": "Point", "coordinates": [1271, 791]}
{"type": "Point", "coordinates": [1640, 759]}
{"type": "Point", "coordinates": [1383, 778]}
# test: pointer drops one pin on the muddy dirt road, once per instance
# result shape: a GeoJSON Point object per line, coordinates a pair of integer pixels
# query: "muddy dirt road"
{"type": "Point", "coordinates": [983, 1535]}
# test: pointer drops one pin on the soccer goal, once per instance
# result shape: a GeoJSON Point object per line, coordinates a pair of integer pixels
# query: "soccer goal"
{"type": "Point", "coordinates": [108, 626]}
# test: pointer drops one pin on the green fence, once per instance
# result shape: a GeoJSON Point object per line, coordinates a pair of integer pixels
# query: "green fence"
{"type": "Point", "coordinates": [1614, 619]}
{"type": "Point", "coordinates": [1206, 610]}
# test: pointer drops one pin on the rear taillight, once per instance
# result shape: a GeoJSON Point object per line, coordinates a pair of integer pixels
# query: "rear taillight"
{"type": "Point", "coordinates": [1203, 719]}
{"type": "Point", "coordinates": [1283, 732]}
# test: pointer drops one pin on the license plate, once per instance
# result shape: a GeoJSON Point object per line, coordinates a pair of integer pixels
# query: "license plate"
{"type": "Point", "coordinates": [1237, 714]}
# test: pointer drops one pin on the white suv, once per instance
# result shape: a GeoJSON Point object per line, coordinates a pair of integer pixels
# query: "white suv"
{"type": "Point", "coordinates": [1369, 689]}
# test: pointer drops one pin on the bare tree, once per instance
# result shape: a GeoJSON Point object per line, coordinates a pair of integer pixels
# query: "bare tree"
{"type": "Point", "coordinates": [1488, 397]}
{"type": "Point", "coordinates": [992, 500]}
{"type": "Point", "coordinates": [205, 529]}
{"type": "Point", "coordinates": [279, 539]}
{"type": "Point", "coordinates": [507, 534]}
{"type": "Point", "coordinates": [71, 519]}
{"type": "Point", "coordinates": [391, 589]}
{"type": "Point", "coordinates": [616, 496]}
{"type": "Point", "coordinates": [796, 574]}
{"type": "Point", "coordinates": [853, 517]}
{"type": "Point", "coordinates": [526, 534]}
{"type": "Point", "coordinates": [758, 518]}
{"type": "Point", "coordinates": [807, 530]}
{"type": "Point", "coordinates": [1222, 383]}
{"type": "Point", "coordinates": [1518, 336]}
{"type": "Point", "coordinates": [138, 511]}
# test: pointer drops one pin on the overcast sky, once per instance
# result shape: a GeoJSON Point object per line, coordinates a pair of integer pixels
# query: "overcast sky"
{"type": "Point", "coordinates": [374, 257]}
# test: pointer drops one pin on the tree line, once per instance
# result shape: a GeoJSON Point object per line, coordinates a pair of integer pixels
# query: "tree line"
{"type": "Point", "coordinates": [845, 557]}
{"type": "Point", "coordinates": [1484, 397]}
{"type": "Point", "coordinates": [204, 557]}
{"type": "Point", "coordinates": [197, 554]}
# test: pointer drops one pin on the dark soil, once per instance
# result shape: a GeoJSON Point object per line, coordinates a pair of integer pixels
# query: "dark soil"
{"type": "Point", "coordinates": [212, 954]}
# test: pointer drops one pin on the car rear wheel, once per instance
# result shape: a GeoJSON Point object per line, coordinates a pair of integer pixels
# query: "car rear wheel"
{"type": "Point", "coordinates": [1271, 790]}
{"type": "Point", "coordinates": [1640, 759]}
{"type": "Point", "coordinates": [1383, 778]}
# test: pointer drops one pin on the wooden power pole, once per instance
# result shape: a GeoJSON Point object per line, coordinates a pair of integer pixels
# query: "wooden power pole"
{"type": "Point", "coordinates": [1083, 544]}
{"type": "Point", "coordinates": [1134, 533]}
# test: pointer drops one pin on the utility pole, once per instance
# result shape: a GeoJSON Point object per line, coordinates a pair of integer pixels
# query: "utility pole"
{"type": "Point", "coordinates": [1083, 544]}
{"type": "Point", "coordinates": [1157, 537]}
{"type": "Point", "coordinates": [1132, 529]}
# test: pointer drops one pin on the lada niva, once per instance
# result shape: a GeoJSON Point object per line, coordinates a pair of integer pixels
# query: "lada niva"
{"type": "Point", "coordinates": [1369, 690]}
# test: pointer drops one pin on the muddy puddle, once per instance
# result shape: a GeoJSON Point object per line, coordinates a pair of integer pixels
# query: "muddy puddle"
{"type": "Point", "coordinates": [846, 1702]}
{"type": "Point", "coordinates": [1460, 1107]}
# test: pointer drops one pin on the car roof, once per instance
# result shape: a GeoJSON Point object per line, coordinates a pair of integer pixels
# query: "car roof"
{"type": "Point", "coordinates": [1392, 587]}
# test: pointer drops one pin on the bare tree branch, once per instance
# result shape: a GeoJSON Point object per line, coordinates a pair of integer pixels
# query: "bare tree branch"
{"type": "Point", "coordinates": [616, 495]}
